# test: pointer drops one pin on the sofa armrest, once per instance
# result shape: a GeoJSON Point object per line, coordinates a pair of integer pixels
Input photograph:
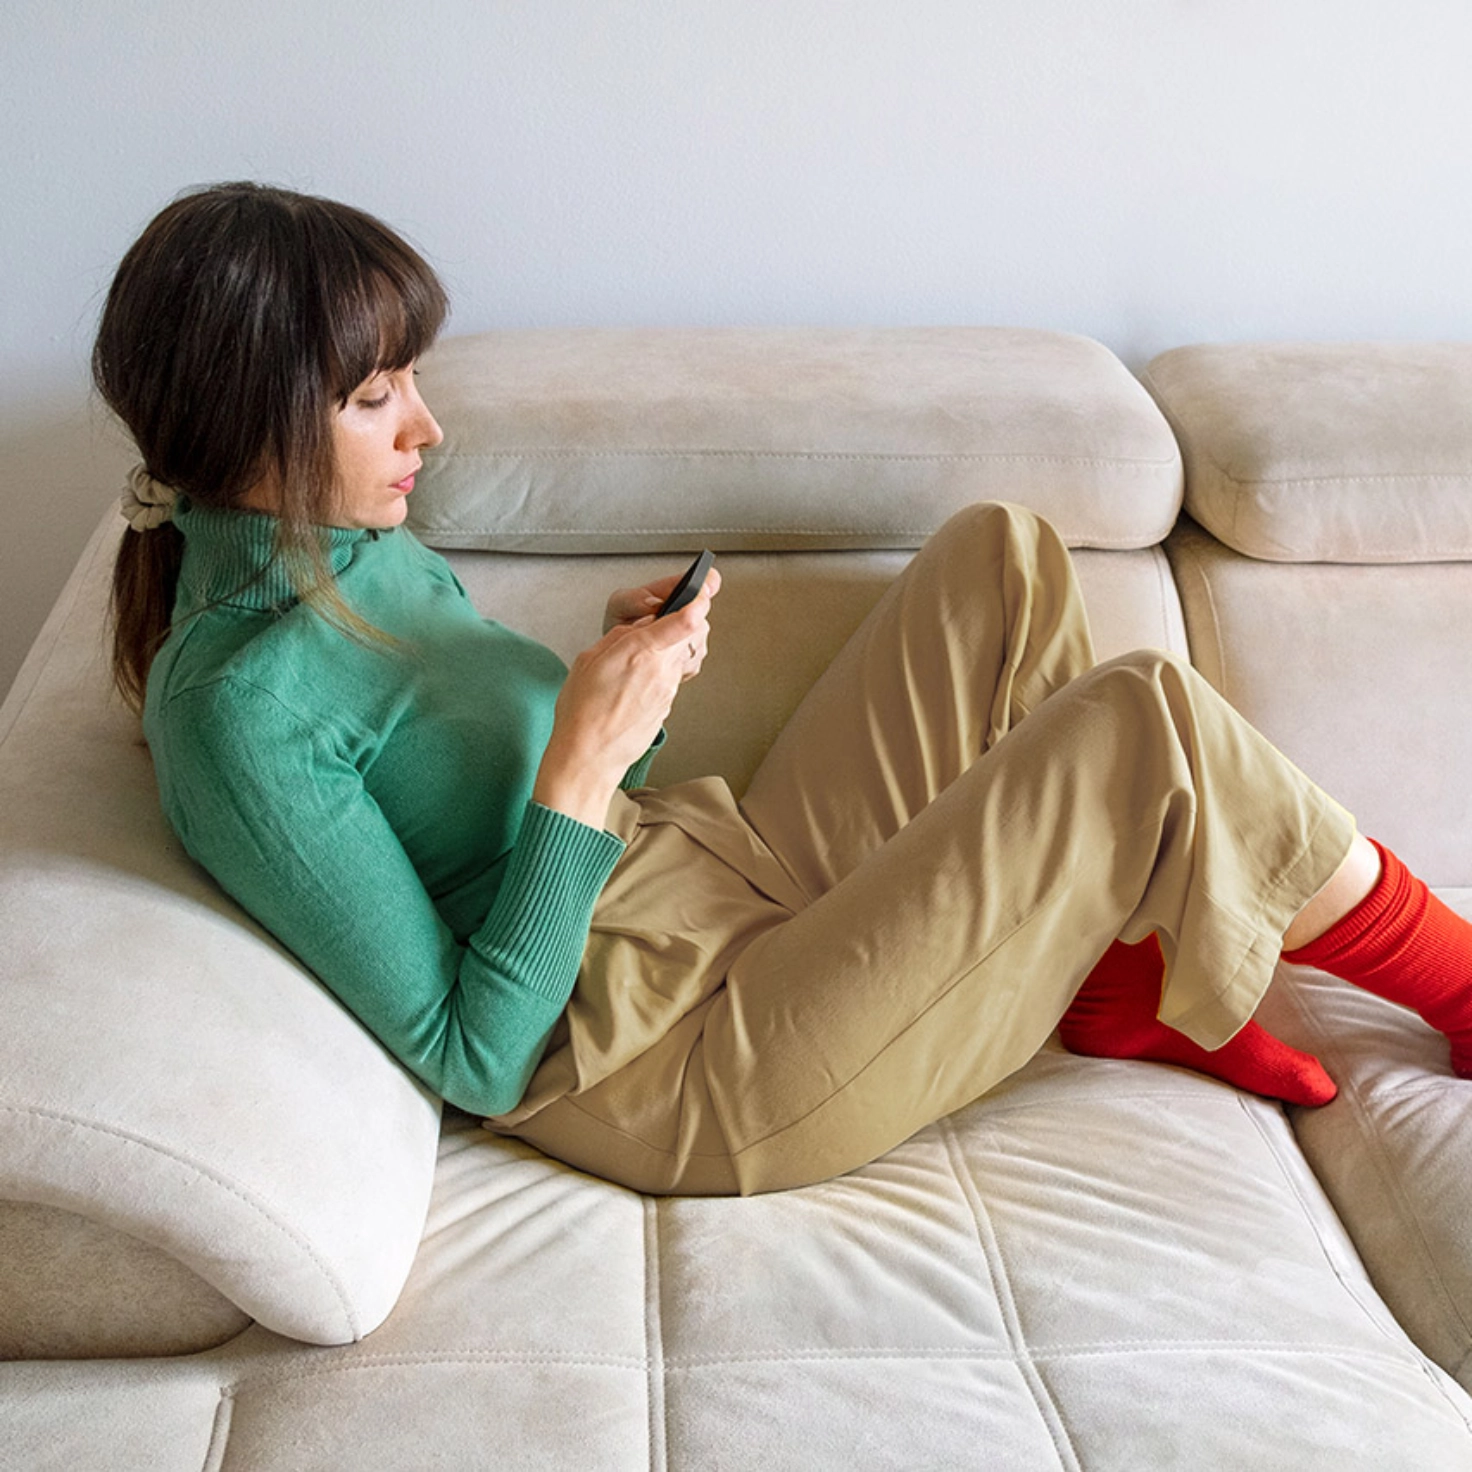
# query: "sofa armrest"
{"type": "Point", "coordinates": [166, 1070]}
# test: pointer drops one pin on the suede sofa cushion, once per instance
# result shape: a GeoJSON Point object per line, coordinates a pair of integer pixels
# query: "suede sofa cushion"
{"type": "Point", "coordinates": [1114, 1266]}
{"type": "Point", "coordinates": [1391, 1151]}
{"type": "Point", "coordinates": [1325, 452]}
{"type": "Point", "coordinates": [601, 440]}
{"type": "Point", "coordinates": [780, 619]}
{"type": "Point", "coordinates": [1358, 674]}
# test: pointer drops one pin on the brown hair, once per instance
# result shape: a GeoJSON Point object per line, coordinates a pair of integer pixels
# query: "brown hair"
{"type": "Point", "coordinates": [238, 323]}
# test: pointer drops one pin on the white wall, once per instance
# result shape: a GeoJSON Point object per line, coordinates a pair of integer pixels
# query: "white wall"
{"type": "Point", "coordinates": [1150, 172]}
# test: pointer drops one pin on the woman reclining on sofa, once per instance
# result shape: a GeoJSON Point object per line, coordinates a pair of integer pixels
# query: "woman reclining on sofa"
{"type": "Point", "coordinates": [968, 834]}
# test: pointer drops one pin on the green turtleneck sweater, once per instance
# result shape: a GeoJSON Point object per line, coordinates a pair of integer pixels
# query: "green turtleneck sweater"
{"type": "Point", "coordinates": [369, 804]}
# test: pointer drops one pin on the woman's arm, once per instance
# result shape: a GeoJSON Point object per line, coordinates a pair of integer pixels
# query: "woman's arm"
{"type": "Point", "coordinates": [285, 824]}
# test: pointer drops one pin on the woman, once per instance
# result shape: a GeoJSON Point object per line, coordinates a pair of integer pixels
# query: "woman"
{"type": "Point", "coordinates": [660, 986]}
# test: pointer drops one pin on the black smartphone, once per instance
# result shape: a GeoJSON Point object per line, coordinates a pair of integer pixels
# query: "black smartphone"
{"type": "Point", "coordinates": [688, 586]}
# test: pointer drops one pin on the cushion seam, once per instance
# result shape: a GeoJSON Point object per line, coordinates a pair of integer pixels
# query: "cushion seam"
{"type": "Point", "coordinates": [1049, 1413]}
{"type": "Point", "coordinates": [639, 1364]}
{"type": "Point", "coordinates": [1389, 1177]}
{"type": "Point", "coordinates": [654, 1342]}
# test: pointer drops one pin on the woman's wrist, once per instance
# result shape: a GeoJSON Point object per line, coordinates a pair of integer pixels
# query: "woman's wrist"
{"type": "Point", "coordinates": [574, 789]}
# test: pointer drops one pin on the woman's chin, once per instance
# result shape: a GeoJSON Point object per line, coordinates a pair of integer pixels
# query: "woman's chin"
{"type": "Point", "coordinates": [381, 518]}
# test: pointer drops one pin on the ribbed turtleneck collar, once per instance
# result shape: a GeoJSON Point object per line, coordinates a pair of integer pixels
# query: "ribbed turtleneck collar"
{"type": "Point", "coordinates": [229, 557]}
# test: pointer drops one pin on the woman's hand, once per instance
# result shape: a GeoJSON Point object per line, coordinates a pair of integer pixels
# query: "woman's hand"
{"type": "Point", "coordinates": [617, 695]}
{"type": "Point", "coordinates": [628, 606]}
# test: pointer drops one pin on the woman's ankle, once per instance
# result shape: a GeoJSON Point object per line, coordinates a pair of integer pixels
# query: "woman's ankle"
{"type": "Point", "coordinates": [1352, 882]}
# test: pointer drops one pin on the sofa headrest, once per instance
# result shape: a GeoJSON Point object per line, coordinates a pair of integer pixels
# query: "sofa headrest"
{"type": "Point", "coordinates": [1326, 452]}
{"type": "Point", "coordinates": [599, 440]}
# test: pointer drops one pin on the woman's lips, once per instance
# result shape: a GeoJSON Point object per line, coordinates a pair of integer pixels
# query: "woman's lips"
{"type": "Point", "coordinates": [406, 485]}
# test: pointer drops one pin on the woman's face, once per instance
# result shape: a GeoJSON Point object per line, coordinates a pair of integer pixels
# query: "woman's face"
{"type": "Point", "coordinates": [376, 437]}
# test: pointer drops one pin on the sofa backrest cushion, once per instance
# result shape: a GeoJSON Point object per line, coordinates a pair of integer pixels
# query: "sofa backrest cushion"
{"type": "Point", "coordinates": [600, 440]}
{"type": "Point", "coordinates": [814, 462]}
{"type": "Point", "coordinates": [1325, 452]}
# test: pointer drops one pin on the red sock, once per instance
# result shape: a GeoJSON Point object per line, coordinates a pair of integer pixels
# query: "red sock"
{"type": "Point", "coordinates": [1402, 943]}
{"type": "Point", "coordinates": [1113, 1016]}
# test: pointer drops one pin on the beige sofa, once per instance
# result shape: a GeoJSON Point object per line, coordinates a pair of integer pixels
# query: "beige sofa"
{"type": "Point", "coordinates": [234, 1235]}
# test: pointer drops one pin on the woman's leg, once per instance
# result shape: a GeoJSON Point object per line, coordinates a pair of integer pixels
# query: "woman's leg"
{"type": "Point", "coordinates": [983, 626]}
{"type": "Point", "coordinates": [1399, 942]}
{"type": "Point", "coordinates": [1133, 801]}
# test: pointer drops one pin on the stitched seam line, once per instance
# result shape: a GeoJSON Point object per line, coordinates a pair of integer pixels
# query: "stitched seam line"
{"type": "Point", "coordinates": [1329, 477]}
{"type": "Point", "coordinates": [214, 1455]}
{"type": "Point", "coordinates": [1047, 1408]}
{"type": "Point", "coordinates": [292, 1234]}
{"type": "Point", "coordinates": [1422, 1360]}
{"type": "Point", "coordinates": [895, 538]}
{"type": "Point", "coordinates": [919, 457]}
{"type": "Point", "coordinates": [1308, 1215]}
{"type": "Point", "coordinates": [1161, 566]}
{"type": "Point", "coordinates": [899, 1354]}
{"type": "Point", "coordinates": [654, 1341]}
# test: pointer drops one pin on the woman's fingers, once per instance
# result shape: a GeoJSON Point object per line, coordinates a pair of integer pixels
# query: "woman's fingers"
{"type": "Point", "coordinates": [628, 605]}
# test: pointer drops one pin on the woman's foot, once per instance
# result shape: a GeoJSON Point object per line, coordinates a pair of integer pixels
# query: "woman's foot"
{"type": "Point", "coordinates": [1114, 1016]}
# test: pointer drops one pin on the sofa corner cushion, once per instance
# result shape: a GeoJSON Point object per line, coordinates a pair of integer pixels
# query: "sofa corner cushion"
{"type": "Point", "coordinates": [577, 440]}
{"type": "Point", "coordinates": [1325, 452]}
{"type": "Point", "coordinates": [1391, 1151]}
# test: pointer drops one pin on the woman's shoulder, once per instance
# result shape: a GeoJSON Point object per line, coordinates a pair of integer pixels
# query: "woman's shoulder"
{"type": "Point", "coordinates": [217, 702]}
{"type": "Point", "coordinates": [240, 673]}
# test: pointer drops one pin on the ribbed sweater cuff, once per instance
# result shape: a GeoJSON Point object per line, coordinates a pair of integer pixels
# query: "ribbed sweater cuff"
{"type": "Point", "coordinates": [545, 903]}
{"type": "Point", "coordinates": [639, 772]}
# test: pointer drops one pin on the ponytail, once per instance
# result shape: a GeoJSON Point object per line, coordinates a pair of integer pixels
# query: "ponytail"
{"type": "Point", "coordinates": [144, 578]}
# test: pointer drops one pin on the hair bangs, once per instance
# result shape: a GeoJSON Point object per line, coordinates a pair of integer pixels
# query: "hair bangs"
{"type": "Point", "coordinates": [385, 308]}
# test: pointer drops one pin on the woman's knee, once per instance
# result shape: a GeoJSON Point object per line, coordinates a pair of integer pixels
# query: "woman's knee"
{"type": "Point", "coordinates": [1157, 685]}
{"type": "Point", "coordinates": [999, 541]}
{"type": "Point", "coordinates": [989, 524]}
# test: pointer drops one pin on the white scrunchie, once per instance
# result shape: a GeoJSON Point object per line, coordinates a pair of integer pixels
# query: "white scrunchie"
{"type": "Point", "coordinates": [146, 502]}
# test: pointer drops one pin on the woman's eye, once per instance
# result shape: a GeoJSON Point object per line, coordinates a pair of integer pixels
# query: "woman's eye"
{"type": "Point", "coordinates": [377, 403]}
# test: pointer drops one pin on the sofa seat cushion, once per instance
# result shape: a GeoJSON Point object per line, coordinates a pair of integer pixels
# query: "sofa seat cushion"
{"type": "Point", "coordinates": [1107, 1265]}
{"type": "Point", "coordinates": [600, 440]}
{"type": "Point", "coordinates": [1325, 452]}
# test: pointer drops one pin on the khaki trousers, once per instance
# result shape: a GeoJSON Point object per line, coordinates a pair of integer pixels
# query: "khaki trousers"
{"type": "Point", "coordinates": [956, 822]}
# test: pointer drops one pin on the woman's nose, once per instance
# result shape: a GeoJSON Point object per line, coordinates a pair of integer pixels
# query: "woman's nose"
{"type": "Point", "coordinates": [421, 428]}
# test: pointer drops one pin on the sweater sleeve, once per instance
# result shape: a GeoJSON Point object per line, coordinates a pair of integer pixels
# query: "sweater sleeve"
{"type": "Point", "coordinates": [638, 774]}
{"type": "Point", "coordinates": [286, 826]}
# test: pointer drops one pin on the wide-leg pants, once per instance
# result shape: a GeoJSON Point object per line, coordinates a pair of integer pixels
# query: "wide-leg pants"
{"type": "Point", "coordinates": [959, 818]}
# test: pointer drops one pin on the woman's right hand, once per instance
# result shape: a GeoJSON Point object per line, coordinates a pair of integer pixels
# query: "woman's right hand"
{"type": "Point", "coordinates": [616, 697]}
